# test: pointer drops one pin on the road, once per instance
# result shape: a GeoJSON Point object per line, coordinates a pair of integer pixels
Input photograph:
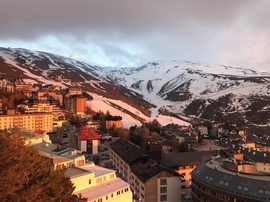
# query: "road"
{"type": "Point", "coordinates": [72, 138]}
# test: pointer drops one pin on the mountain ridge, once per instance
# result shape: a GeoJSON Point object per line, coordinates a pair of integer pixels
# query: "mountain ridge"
{"type": "Point", "coordinates": [212, 92]}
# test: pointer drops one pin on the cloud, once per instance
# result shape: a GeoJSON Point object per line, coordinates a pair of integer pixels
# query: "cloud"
{"type": "Point", "coordinates": [130, 33]}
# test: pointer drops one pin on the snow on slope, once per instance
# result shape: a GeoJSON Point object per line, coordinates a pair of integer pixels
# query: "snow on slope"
{"type": "Point", "coordinates": [26, 72]}
{"type": "Point", "coordinates": [100, 103]}
{"type": "Point", "coordinates": [202, 81]}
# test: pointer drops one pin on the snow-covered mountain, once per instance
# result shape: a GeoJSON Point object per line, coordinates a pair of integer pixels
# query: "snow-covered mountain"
{"type": "Point", "coordinates": [213, 92]}
{"type": "Point", "coordinates": [197, 90]}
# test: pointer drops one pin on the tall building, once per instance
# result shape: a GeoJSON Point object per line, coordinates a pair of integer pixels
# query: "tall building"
{"type": "Point", "coordinates": [75, 104]}
{"type": "Point", "coordinates": [149, 181]}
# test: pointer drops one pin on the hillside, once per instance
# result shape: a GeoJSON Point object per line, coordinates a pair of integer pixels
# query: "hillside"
{"type": "Point", "coordinates": [206, 91]}
{"type": "Point", "coordinates": [212, 92]}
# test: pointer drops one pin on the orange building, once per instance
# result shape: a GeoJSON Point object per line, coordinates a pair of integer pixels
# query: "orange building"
{"type": "Point", "coordinates": [76, 104]}
{"type": "Point", "coordinates": [114, 121]}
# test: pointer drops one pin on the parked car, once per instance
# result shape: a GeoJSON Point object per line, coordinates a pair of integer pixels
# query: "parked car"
{"type": "Point", "coordinates": [106, 137]}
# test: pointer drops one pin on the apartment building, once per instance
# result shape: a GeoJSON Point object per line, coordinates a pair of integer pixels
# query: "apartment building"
{"type": "Point", "coordinates": [44, 94]}
{"type": "Point", "coordinates": [76, 104]}
{"type": "Point", "coordinates": [23, 87]}
{"type": "Point", "coordinates": [93, 182]}
{"type": "Point", "coordinates": [31, 122]}
{"type": "Point", "coordinates": [99, 184]}
{"type": "Point", "coordinates": [185, 162]}
{"type": "Point", "coordinates": [114, 121]}
{"type": "Point", "coordinates": [149, 181]}
{"type": "Point", "coordinates": [75, 91]}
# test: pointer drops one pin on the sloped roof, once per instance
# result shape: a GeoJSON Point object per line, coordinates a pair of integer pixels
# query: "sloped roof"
{"type": "Point", "coordinates": [127, 150]}
{"type": "Point", "coordinates": [185, 158]}
{"type": "Point", "coordinates": [88, 134]}
{"type": "Point", "coordinates": [146, 170]}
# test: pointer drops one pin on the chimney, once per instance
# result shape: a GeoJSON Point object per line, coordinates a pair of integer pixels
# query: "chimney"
{"type": "Point", "coordinates": [73, 152]}
{"type": "Point", "coordinates": [154, 151]}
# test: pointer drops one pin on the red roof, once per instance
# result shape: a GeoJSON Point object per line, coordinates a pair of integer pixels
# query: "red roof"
{"type": "Point", "coordinates": [88, 134]}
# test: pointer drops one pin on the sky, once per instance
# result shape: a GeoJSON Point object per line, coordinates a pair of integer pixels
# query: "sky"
{"type": "Point", "coordinates": [123, 33]}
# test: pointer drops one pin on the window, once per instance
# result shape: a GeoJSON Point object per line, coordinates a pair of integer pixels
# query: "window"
{"type": "Point", "coordinates": [89, 181]}
{"type": "Point", "coordinates": [163, 197]}
{"type": "Point", "coordinates": [226, 184]}
{"type": "Point", "coordinates": [98, 180]}
{"type": "Point", "coordinates": [107, 197]}
{"type": "Point", "coordinates": [163, 189]}
{"type": "Point", "coordinates": [245, 188]}
{"type": "Point", "coordinates": [163, 181]}
{"type": "Point", "coordinates": [260, 191]}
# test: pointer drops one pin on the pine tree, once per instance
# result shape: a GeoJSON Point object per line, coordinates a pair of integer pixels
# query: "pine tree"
{"type": "Point", "coordinates": [28, 176]}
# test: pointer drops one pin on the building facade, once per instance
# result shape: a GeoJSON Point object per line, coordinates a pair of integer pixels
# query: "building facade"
{"type": "Point", "coordinates": [95, 183]}
{"type": "Point", "coordinates": [185, 162]}
{"type": "Point", "coordinates": [216, 181]}
{"type": "Point", "coordinates": [76, 104]}
{"type": "Point", "coordinates": [31, 122]}
{"type": "Point", "coordinates": [149, 180]}
{"type": "Point", "coordinates": [88, 140]}
{"type": "Point", "coordinates": [114, 121]}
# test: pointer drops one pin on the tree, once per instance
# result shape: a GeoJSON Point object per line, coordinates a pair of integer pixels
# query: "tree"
{"type": "Point", "coordinates": [182, 147]}
{"type": "Point", "coordinates": [154, 126]}
{"type": "Point", "coordinates": [28, 176]}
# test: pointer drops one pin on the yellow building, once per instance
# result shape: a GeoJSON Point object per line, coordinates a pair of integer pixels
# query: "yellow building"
{"type": "Point", "coordinates": [99, 184]}
{"type": "Point", "coordinates": [31, 122]}
{"type": "Point", "coordinates": [93, 182]}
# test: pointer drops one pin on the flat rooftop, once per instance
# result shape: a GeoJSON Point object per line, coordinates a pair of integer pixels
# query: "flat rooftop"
{"type": "Point", "coordinates": [251, 186]}
{"type": "Point", "coordinates": [215, 164]}
{"type": "Point", "coordinates": [98, 170]}
{"type": "Point", "coordinates": [103, 189]}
